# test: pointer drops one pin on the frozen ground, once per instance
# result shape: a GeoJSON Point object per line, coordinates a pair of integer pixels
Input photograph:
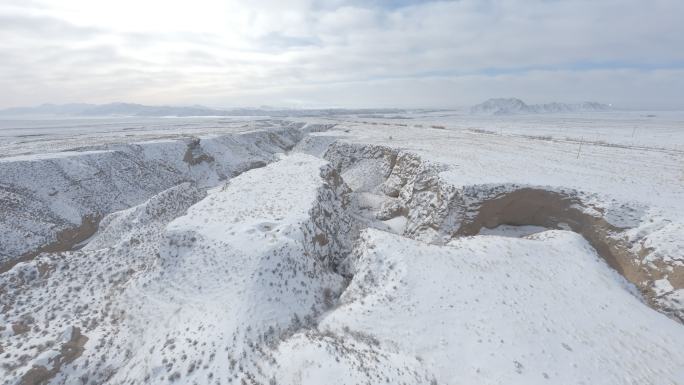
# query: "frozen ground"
{"type": "Point", "coordinates": [53, 135]}
{"type": "Point", "coordinates": [432, 247]}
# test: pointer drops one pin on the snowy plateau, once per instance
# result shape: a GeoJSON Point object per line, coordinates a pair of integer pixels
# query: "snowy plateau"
{"type": "Point", "coordinates": [386, 247]}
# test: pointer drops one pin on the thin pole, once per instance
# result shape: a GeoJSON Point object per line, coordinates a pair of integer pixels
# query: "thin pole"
{"type": "Point", "coordinates": [580, 147]}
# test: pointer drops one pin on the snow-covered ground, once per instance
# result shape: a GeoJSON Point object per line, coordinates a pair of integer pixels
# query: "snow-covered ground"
{"type": "Point", "coordinates": [436, 248]}
{"type": "Point", "coordinates": [23, 136]}
{"type": "Point", "coordinates": [51, 200]}
{"type": "Point", "coordinates": [487, 310]}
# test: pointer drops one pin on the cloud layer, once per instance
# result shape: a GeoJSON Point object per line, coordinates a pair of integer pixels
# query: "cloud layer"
{"type": "Point", "coordinates": [349, 53]}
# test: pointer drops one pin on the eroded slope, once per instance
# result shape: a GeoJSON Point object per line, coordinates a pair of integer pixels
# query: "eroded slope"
{"type": "Point", "coordinates": [51, 202]}
{"type": "Point", "coordinates": [201, 297]}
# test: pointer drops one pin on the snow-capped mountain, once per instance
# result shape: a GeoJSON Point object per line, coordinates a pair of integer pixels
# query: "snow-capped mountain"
{"type": "Point", "coordinates": [506, 106]}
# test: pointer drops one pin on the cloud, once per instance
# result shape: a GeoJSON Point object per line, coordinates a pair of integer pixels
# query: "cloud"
{"type": "Point", "coordinates": [342, 52]}
{"type": "Point", "coordinates": [279, 41]}
{"type": "Point", "coordinates": [26, 26]}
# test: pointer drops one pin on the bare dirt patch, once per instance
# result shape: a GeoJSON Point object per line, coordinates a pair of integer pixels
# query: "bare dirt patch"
{"type": "Point", "coordinates": [66, 240]}
{"type": "Point", "coordinates": [69, 351]}
{"type": "Point", "coordinates": [194, 156]}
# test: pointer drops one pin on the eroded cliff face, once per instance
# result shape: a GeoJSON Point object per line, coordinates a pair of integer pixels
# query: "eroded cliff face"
{"type": "Point", "coordinates": [52, 202]}
{"type": "Point", "coordinates": [331, 230]}
{"type": "Point", "coordinates": [433, 211]}
{"type": "Point", "coordinates": [403, 186]}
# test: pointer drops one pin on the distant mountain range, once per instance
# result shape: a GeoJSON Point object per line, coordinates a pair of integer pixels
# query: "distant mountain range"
{"type": "Point", "coordinates": [498, 106]}
{"type": "Point", "coordinates": [139, 110]}
{"type": "Point", "coordinates": [508, 106]}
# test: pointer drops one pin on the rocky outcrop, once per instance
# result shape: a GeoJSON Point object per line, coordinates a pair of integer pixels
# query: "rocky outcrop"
{"type": "Point", "coordinates": [407, 186]}
{"type": "Point", "coordinates": [329, 233]}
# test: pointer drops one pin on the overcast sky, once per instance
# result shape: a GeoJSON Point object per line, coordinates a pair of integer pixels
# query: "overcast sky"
{"type": "Point", "coordinates": [341, 53]}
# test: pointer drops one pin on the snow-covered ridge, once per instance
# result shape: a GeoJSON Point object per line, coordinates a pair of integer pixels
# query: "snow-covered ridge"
{"type": "Point", "coordinates": [52, 201]}
{"type": "Point", "coordinates": [222, 280]}
{"type": "Point", "coordinates": [506, 106]}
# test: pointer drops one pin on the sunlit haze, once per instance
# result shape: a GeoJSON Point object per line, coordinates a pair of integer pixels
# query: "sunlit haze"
{"type": "Point", "coordinates": [310, 53]}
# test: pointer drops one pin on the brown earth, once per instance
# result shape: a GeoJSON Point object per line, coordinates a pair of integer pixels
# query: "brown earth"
{"type": "Point", "coordinates": [66, 240]}
{"type": "Point", "coordinates": [69, 351]}
{"type": "Point", "coordinates": [537, 207]}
